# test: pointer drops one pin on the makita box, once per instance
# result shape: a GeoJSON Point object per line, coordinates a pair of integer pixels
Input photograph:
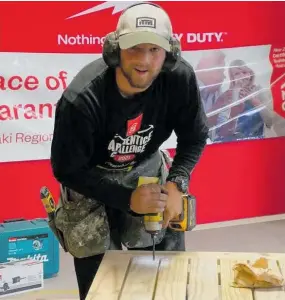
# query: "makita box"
{"type": "Point", "coordinates": [33, 239]}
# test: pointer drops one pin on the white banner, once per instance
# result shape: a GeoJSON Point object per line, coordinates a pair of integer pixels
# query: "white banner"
{"type": "Point", "coordinates": [30, 85]}
{"type": "Point", "coordinates": [240, 67]}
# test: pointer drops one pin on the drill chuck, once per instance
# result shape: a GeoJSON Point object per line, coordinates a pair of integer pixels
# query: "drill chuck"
{"type": "Point", "coordinates": [153, 223]}
{"type": "Point", "coordinates": [152, 227]}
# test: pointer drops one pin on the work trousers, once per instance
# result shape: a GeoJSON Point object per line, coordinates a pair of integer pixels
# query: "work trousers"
{"type": "Point", "coordinates": [86, 268]}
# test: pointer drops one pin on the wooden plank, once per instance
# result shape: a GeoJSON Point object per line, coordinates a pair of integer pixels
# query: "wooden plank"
{"type": "Point", "coordinates": [133, 275]}
{"type": "Point", "coordinates": [203, 279]}
{"type": "Point", "coordinates": [172, 279]}
{"type": "Point", "coordinates": [141, 279]}
{"type": "Point", "coordinates": [227, 275]}
{"type": "Point", "coordinates": [232, 255]}
{"type": "Point", "coordinates": [110, 277]}
{"type": "Point", "coordinates": [270, 293]}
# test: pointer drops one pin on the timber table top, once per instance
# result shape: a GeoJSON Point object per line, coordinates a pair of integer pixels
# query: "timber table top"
{"type": "Point", "coordinates": [133, 275]}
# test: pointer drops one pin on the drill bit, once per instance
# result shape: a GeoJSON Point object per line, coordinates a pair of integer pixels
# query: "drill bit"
{"type": "Point", "coordinates": [153, 247]}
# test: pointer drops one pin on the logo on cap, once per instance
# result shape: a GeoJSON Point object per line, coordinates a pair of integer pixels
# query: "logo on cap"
{"type": "Point", "coordinates": [146, 22]}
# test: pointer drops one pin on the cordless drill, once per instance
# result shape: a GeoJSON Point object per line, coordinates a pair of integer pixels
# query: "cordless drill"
{"type": "Point", "coordinates": [186, 221]}
{"type": "Point", "coordinates": [153, 221]}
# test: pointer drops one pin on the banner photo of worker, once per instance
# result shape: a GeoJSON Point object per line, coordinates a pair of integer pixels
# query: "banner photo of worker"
{"type": "Point", "coordinates": [240, 68]}
{"type": "Point", "coordinates": [235, 86]}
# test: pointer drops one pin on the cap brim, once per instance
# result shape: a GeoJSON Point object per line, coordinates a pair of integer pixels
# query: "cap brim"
{"type": "Point", "coordinates": [130, 40]}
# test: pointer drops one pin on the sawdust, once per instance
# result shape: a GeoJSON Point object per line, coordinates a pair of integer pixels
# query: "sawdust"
{"type": "Point", "coordinates": [256, 275]}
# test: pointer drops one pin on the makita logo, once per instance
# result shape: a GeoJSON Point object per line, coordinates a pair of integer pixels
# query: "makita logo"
{"type": "Point", "coordinates": [38, 257]}
{"type": "Point", "coordinates": [146, 22]}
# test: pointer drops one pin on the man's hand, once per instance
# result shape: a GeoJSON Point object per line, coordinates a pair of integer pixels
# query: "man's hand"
{"type": "Point", "coordinates": [174, 203]}
{"type": "Point", "coordinates": [148, 198]}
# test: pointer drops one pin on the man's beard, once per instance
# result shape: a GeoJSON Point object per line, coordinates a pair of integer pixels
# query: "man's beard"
{"type": "Point", "coordinates": [138, 85]}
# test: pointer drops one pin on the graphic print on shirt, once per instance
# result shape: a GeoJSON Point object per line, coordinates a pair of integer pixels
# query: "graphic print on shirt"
{"type": "Point", "coordinates": [123, 150]}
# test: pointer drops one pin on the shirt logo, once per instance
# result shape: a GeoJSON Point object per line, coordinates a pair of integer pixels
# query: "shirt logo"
{"type": "Point", "coordinates": [123, 150]}
{"type": "Point", "coordinates": [146, 22]}
{"type": "Point", "coordinates": [134, 125]}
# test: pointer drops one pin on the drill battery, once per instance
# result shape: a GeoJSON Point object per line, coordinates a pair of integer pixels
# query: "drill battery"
{"type": "Point", "coordinates": [30, 239]}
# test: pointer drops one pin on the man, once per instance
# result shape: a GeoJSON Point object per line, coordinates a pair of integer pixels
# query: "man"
{"type": "Point", "coordinates": [109, 125]}
{"type": "Point", "coordinates": [241, 111]}
{"type": "Point", "coordinates": [210, 72]}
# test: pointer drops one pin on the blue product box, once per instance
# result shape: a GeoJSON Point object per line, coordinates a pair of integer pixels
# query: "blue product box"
{"type": "Point", "coordinates": [30, 239]}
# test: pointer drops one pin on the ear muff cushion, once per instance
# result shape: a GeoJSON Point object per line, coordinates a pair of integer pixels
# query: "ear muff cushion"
{"type": "Point", "coordinates": [111, 51]}
{"type": "Point", "coordinates": [173, 57]}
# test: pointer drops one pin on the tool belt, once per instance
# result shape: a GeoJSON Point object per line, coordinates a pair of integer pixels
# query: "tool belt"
{"type": "Point", "coordinates": [81, 224]}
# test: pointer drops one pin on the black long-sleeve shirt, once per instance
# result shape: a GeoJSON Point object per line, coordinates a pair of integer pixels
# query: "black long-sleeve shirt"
{"type": "Point", "coordinates": [95, 125]}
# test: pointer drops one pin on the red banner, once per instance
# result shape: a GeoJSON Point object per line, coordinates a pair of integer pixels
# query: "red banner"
{"type": "Point", "coordinates": [236, 48]}
{"type": "Point", "coordinates": [52, 27]}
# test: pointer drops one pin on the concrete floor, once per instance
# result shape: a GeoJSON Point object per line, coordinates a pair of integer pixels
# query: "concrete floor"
{"type": "Point", "coordinates": [260, 237]}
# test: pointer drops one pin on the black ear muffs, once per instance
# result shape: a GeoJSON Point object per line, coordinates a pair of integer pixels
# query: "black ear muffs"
{"type": "Point", "coordinates": [173, 57]}
{"type": "Point", "coordinates": [111, 49]}
{"type": "Point", "coordinates": [111, 53]}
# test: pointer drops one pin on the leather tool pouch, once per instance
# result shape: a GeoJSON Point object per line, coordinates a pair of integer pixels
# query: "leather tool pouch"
{"type": "Point", "coordinates": [83, 222]}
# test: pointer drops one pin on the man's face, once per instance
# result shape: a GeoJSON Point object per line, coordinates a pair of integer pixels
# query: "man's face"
{"type": "Point", "coordinates": [142, 64]}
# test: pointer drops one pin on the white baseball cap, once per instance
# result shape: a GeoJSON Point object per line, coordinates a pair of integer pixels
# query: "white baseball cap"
{"type": "Point", "coordinates": [144, 23]}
